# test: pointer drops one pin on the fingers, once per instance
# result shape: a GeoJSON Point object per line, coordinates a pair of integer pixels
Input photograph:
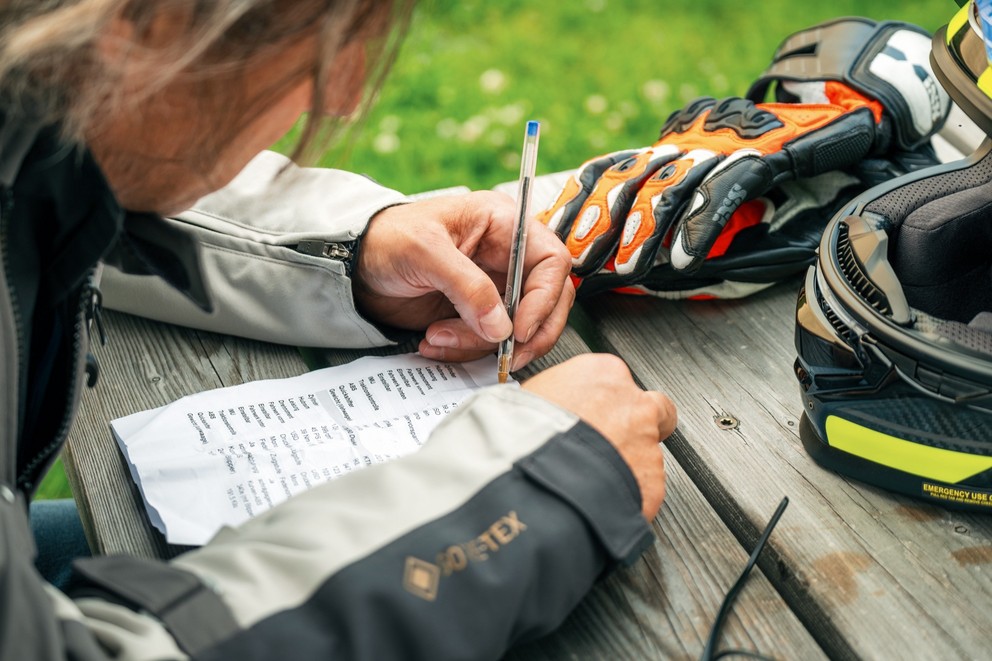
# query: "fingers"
{"type": "Point", "coordinates": [742, 176]}
{"type": "Point", "coordinates": [453, 340]}
{"type": "Point", "coordinates": [471, 291]}
{"type": "Point", "coordinates": [659, 202]}
{"type": "Point", "coordinates": [548, 331]}
{"type": "Point", "coordinates": [648, 461]}
{"type": "Point", "coordinates": [667, 414]}
{"type": "Point", "coordinates": [593, 235]}
{"type": "Point", "coordinates": [546, 268]}
{"type": "Point", "coordinates": [546, 297]}
{"type": "Point", "coordinates": [562, 212]}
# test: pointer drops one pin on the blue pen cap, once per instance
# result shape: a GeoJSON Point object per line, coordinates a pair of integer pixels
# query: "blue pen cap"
{"type": "Point", "coordinates": [532, 126]}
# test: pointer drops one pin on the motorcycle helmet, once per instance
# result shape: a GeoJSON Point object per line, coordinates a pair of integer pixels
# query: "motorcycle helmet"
{"type": "Point", "coordinates": [894, 320]}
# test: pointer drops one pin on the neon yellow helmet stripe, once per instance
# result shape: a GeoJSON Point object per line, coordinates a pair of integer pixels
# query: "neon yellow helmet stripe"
{"type": "Point", "coordinates": [959, 20]}
{"type": "Point", "coordinates": [923, 460]}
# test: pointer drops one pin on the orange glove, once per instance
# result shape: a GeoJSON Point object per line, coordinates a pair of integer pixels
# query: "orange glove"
{"type": "Point", "coordinates": [712, 157]}
{"type": "Point", "coordinates": [854, 91]}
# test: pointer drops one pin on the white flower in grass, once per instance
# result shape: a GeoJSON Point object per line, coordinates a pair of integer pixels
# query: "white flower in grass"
{"type": "Point", "coordinates": [596, 104]}
{"type": "Point", "coordinates": [614, 121]}
{"type": "Point", "coordinates": [510, 160]}
{"type": "Point", "coordinates": [492, 81]}
{"type": "Point", "coordinates": [596, 5]}
{"type": "Point", "coordinates": [389, 124]}
{"type": "Point", "coordinates": [446, 129]}
{"type": "Point", "coordinates": [510, 114]}
{"type": "Point", "coordinates": [386, 143]}
{"type": "Point", "coordinates": [473, 128]}
{"type": "Point", "coordinates": [497, 137]}
{"type": "Point", "coordinates": [656, 91]}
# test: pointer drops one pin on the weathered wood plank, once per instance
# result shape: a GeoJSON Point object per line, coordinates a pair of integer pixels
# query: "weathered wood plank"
{"type": "Point", "coordinates": [871, 574]}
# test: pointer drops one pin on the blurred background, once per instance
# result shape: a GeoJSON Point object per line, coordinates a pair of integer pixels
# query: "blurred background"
{"type": "Point", "coordinates": [600, 75]}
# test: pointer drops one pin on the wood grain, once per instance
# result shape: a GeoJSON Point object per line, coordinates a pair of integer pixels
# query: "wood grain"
{"type": "Point", "coordinates": [872, 575]}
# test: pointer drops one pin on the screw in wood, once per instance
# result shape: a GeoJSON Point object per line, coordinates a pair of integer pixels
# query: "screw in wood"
{"type": "Point", "coordinates": [726, 421]}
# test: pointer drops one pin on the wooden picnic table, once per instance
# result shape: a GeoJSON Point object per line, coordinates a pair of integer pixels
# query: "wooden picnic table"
{"type": "Point", "coordinates": [851, 571]}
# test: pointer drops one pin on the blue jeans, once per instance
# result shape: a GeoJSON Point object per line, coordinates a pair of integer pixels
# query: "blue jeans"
{"type": "Point", "coordinates": [58, 534]}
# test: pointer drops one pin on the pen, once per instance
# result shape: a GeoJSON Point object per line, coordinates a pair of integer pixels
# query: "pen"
{"type": "Point", "coordinates": [518, 244]}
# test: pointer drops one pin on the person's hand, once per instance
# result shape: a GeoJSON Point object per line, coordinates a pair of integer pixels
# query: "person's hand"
{"type": "Point", "coordinates": [600, 390]}
{"type": "Point", "coordinates": [846, 90]}
{"type": "Point", "coordinates": [439, 265]}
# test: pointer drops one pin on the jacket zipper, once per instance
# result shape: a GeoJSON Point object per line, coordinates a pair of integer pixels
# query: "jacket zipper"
{"type": "Point", "coordinates": [339, 252]}
{"type": "Point", "coordinates": [19, 366]}
{"type": "Point", "coordinates": [328, 249]}
{"type": "Point", "coordinates": [86, 299]}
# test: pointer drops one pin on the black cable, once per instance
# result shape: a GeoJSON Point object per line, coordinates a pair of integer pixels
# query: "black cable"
{"type": "Point", "coordinates": [710, 653]}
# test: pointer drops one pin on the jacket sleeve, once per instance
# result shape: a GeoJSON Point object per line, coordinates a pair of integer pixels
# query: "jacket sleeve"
{"type": "Point", "coordinates": [486, 537]}
{"type": "Point", "coordinates": [276, 251]}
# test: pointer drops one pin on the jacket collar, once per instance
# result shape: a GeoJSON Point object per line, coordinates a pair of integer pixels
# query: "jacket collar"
{"type": "Point", "coordinates": [92, 224]}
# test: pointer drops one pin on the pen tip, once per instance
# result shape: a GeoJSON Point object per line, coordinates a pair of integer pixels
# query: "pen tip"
{"type": "Point", "coordinates": [502, 377]}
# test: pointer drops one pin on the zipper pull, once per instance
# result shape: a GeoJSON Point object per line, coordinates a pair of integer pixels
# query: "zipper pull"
{"type": "Point", "coordinates": [94, 313]}
{"type": "Point", "coordinates": [328, 249]}
{"type": "Point", "coordinates": [346, 253]}
{"type": "Point", "coordinates": [92, 370]}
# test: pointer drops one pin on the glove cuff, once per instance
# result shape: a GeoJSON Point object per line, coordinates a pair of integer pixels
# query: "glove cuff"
{"type": "Point", "coordinates": [887, 61]}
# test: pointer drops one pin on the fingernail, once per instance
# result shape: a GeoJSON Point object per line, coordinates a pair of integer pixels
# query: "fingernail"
{"type": "Point", "coordinates": [432, 352]}
{"type": "Point", "coordinates": [530, 332]}
{"type": "Point", "coordinates": [521, 359]}
{"type": "Point", "coordinates": [496, 324]}
{"type": "Point", "coordinates": [443, 338]}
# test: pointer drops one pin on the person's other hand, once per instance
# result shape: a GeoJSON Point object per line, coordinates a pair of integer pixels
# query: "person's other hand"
{"type": "Point", "coordinates": [439, 265]}
{"type": "Point", "coordinates": [600, 390]}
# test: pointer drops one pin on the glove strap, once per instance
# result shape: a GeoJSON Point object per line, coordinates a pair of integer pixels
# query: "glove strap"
{"type": "Point", "coordinates": [848, 50]}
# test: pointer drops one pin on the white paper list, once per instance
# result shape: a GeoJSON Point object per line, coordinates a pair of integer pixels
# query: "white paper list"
{"type": "Point", "coordinates": [222, 456]}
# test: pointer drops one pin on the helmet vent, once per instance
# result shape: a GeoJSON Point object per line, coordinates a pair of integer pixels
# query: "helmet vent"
{"type": "Point", "coordinates": [856, 277]}
{"type": "Point", "coordinates": [839, 326]}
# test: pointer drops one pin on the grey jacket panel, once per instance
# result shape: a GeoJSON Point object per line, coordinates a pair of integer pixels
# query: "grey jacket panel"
{"type": "Point", "coordinates": [474, 543]}
{"type": "Point", "coordinates": [276, 255]}
{"type": "Point", "coordinates": [365, 511]}
{"type": "Point", "coordinates": [28, 628]}
{"type": "Point", "coordinates": [468, 547]}
{"type": "Point", "coordinates": [505, 567]}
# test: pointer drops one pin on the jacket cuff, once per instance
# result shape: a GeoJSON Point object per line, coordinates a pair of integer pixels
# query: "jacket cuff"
{"type": "Point", "coordinates": [585, 470]}
{"type": "Point", "coordinates": [195, 615]}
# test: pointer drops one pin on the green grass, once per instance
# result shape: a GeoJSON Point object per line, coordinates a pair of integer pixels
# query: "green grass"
{"type": "Point", "coordinates": [600, 75]}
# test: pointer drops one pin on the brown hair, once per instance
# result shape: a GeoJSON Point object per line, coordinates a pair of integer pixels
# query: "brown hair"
{"type": "Point", "coordinates": [50, 67]}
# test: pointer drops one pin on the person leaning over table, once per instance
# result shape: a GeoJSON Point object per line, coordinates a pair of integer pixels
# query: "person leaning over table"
{"type": "Point", "coordinates": [114, 114]}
